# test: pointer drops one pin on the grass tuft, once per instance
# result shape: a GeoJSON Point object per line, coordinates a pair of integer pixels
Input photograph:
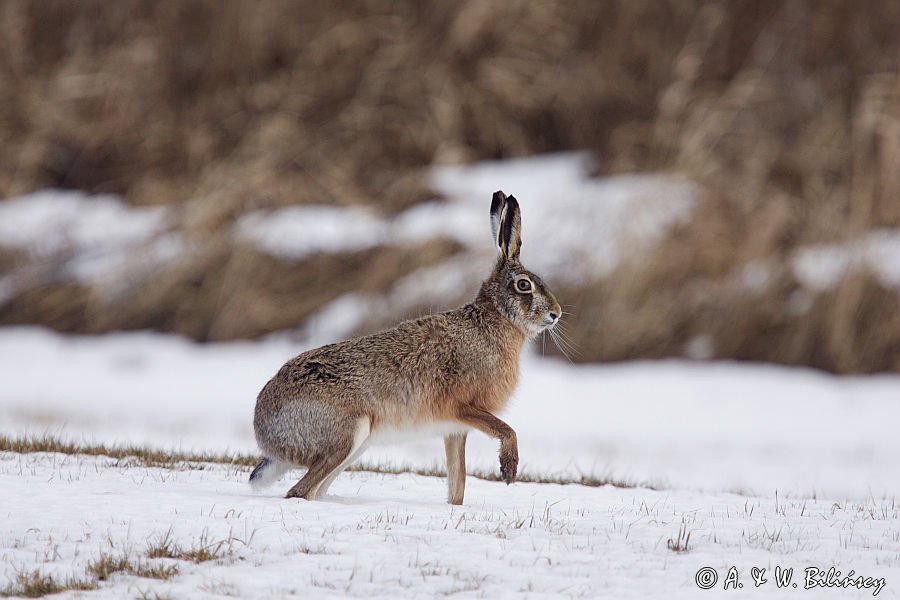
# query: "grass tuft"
{"type": "Point", "coordinates": [163, 548]}
{"type": "Point", "coordinates": [148, 571]}
{"type": "Point", "coordinates": [202, 551]}
{"type": "Point", "coordinates": [35, 585]}
{"type": "Point", "coordinates": [107, 565]}
{"type": "Point", "coordinates": [681, 542]}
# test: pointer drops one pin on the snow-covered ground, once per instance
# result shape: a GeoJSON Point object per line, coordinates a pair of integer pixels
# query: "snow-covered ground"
{"type": "Point", "coordinates": [390, 536]}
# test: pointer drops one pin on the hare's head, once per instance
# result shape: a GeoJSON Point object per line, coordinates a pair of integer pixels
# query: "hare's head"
{"type": "Point", "coordinates": [519, 294]}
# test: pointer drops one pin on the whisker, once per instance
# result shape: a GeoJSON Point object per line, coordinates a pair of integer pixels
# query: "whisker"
{"type": "Point", "coordinates": [565, 307]}
{"type": "Point", "coordinates": [564, 352]}
{"type": "Point", "coordinates": [553, 337]}
{"type": "Point", "coordinates": [564, 348]}
{"type": "Point", "coordinates": [564, 332]}
{"type": "Point", "coordinates": [563, 342]}
{"type": "Point", "coordinates": [572, 348]}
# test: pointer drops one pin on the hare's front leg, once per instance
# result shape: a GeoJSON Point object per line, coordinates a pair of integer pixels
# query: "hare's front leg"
{"type": "Point", "coordinates": [487, 423]}
{"type": "Point", "coordinates": [455, 445]}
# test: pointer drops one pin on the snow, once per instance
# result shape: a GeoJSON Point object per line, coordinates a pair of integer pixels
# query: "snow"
{"type": "Point", "coordinates": [48, 222]}
{"type": "Point", "coordinates": [298, 231]}
{"type": "Point", "coordinates": [71, 236]}
{"type": "Point", "coordinates": [822, 267]}
{"type": "Point", "coordinates": [392, 536]}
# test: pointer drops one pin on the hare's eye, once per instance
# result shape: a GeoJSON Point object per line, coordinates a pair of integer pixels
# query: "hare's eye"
{"type": "Point", "coordinates": [523, 285]}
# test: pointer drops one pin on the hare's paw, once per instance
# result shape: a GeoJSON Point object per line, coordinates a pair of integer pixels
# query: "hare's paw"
{"type": "Point", "coordinates": [298, 492]}
{"type": "Point", "coordinates": [509, 464]}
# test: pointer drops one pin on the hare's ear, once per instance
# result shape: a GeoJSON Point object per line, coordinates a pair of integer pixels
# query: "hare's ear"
{"type": "Point", "coordinates": [497, 203]}
{"type": "Point", "coordinates": [510, 236]}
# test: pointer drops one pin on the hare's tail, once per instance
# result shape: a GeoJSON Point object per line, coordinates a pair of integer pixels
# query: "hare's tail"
{"type": "Point", "coordinates": [267, 472]}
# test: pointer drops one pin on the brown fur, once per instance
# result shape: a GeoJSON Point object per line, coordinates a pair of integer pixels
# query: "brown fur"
{"type": "Point", "coordinates": [460, 366]}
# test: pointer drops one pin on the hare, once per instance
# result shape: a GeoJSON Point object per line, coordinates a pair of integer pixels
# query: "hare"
{"type": "Point", "coordinates": [451, 371]}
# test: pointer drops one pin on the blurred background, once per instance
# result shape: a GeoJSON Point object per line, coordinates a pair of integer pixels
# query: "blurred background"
{"type": "Point", "coordinates": [700, 179]}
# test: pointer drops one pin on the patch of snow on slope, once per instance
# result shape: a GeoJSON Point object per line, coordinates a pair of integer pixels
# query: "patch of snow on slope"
{"type": "Point", "coordinates": [52, 221]}
{"type": "Point", "coordinates": [89, 239]}
{"type": "Point", "coordinates": [298, 231]}
{"type": "Point", "coordinates": [822, 267]}
{"type": "Point", "coordinates": [115, 266]}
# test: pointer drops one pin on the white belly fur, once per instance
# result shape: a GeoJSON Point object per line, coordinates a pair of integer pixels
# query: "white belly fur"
{"type": "Point", "coordinates": [391, 435]}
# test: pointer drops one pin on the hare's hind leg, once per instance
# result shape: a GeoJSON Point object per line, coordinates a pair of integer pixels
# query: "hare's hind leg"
{"type": "Point", "coordinates": [332, 459]}
{"type": "Point", "coordinates": [455, 445]}
{"type": "Point", "coordinates": [360, 443]}
{"type": "Point", "coordinates": [309, 483]}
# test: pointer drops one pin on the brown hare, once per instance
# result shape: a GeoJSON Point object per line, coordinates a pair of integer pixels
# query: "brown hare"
{"type": "Point", "coordinates": [450, 372]}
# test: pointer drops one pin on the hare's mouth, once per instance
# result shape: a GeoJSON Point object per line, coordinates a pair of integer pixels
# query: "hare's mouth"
{"type": "Point", "coordinates": [550, 320]}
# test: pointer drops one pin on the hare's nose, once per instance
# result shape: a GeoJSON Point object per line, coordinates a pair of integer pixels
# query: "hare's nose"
{"type": "Point", "coordinates": [554, 316]}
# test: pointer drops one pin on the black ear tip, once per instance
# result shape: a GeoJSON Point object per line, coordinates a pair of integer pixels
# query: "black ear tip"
{"type": "Point", "coordinates": [497, 201]}
{"type": "Point", "coordinates": [511, 200]}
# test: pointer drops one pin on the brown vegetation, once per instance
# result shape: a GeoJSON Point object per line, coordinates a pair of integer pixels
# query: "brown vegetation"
{"type": "Point", "coordinates": [788, 113]}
